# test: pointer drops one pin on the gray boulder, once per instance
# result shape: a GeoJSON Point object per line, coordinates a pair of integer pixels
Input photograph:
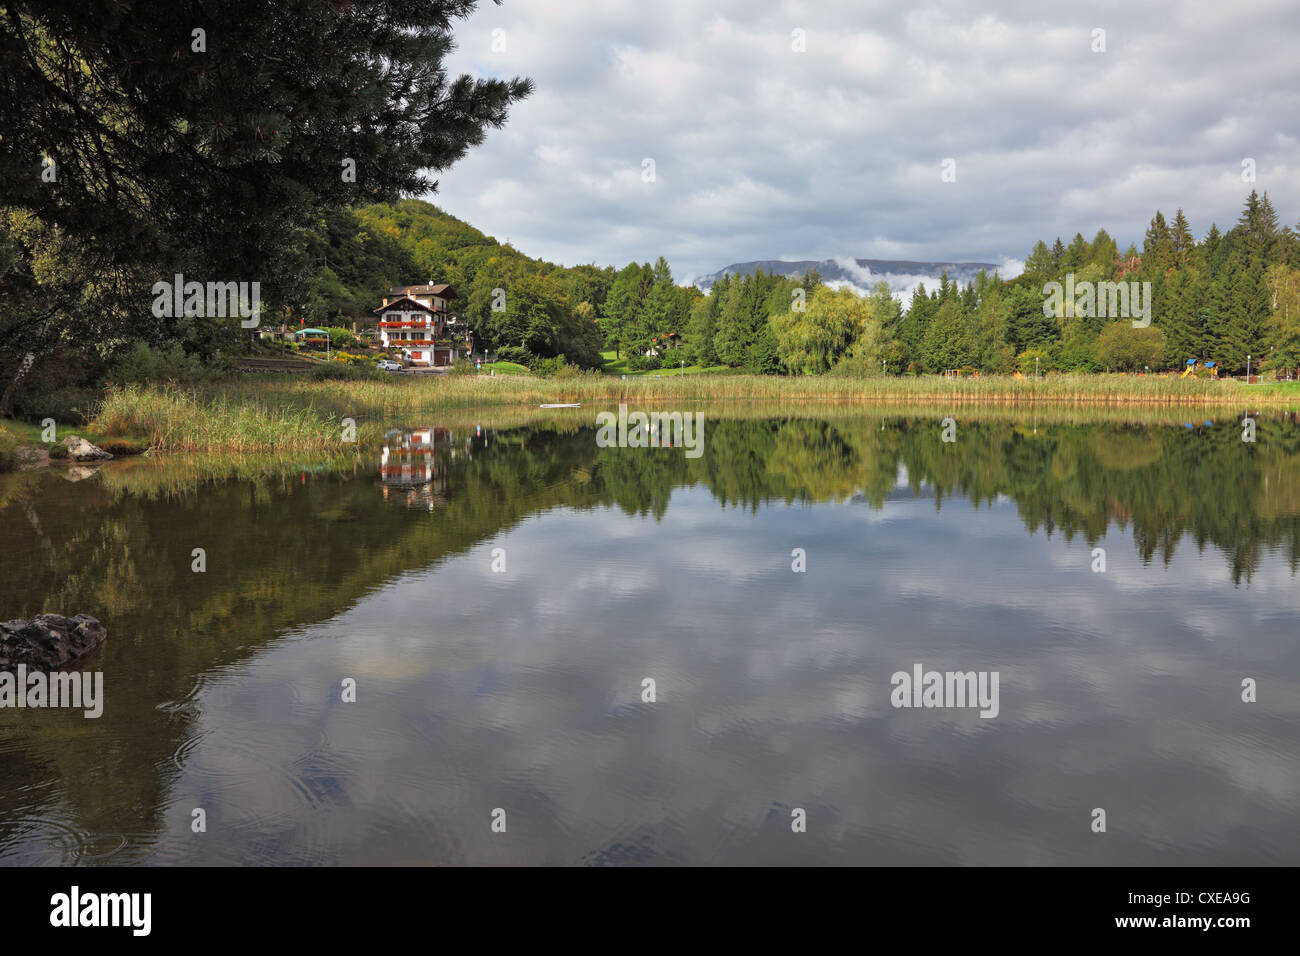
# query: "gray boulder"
{"type": "Point", "coordinates": [81, 450]}
{"type": "Point", "coordinates": [48, 641]}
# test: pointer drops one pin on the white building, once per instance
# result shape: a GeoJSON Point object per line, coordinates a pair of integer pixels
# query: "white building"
{"type": "Point", "coordinates": [417, 320]}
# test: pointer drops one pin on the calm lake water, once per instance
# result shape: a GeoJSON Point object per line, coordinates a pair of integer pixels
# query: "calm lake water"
{"type": "Point", "coordinates": [501, 596]}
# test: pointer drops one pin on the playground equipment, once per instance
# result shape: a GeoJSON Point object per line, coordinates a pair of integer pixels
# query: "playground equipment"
{"type": "Point", "coordinates": [1212, 368]}
{"type": "Point", "coordinates": [1191, 366]}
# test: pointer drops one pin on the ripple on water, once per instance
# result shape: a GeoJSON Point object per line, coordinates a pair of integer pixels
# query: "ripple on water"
{"type": "Point", "coordinates": [188, 704]}
{"type": "Point", "coordinates": [43, 841]}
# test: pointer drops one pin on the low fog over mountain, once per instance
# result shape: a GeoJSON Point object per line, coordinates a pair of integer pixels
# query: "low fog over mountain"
{"type": "Point", "coordinates": [903, 275]}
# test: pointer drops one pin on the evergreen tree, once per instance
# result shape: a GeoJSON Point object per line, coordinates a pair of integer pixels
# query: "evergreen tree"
{"type": "Point", "coordinates": [992, 348]}
{"type": "Point", "coordinates": [1105, 252]}
{"type": "Point", "coordinates": [1038, 267]}
{"type": "Point", "coordinates": [703, 325]}
{"type": "Point", "coordinates": [947, 343]}
{"type": "Point", "coordinates": [1257, 227]}
{"type": "Point", "coordinates": [620, 318]}
{"type": "Point", "coordinates": [658, 313]}
{"type": "Point", "coordinates": [731, 339]}
{"type": "Point", "coordinates": [1058, 256]}
{"type": "Point", "coordinates": [1027, 326]}
{"type": "Point", "coordinates": [1077, 254]}
{"type": "Point", "coordinates": [912, 327]}
{"type": "Point", "coordinates": [1183, 241]}
{"type": "Point", "coordinates": [1157, 248]}
{"type": "Point", "coordinates": [1211, 242]}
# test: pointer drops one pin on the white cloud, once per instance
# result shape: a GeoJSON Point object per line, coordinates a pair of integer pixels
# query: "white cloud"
{"type": "Point", "coordinates": [765, 152]}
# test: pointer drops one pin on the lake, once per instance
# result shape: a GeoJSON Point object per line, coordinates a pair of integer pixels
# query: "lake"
{"type": "Point", "coordinates": [509, 645]}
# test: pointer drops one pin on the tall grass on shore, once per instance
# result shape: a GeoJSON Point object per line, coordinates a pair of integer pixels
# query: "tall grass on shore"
{"type": "Point", "coordinates": [282, 415]}
{"type": "Point", "coordinates": [428, 393]}
{"type": "Point", "coordinates": [230, 419]}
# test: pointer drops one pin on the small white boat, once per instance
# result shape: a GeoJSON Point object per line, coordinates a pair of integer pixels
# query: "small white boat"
{"type": "Point", "coordinates": [571, 405]}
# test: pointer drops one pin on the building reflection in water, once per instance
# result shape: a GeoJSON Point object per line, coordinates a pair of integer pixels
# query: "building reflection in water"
{"type": "Point", "coordinates": [413, 464]}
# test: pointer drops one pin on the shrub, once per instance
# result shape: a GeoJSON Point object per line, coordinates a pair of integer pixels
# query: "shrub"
{"type": "Point", "coordinates": [1079, 353]}
{"type": "Point", "coordinates": [517, 354]}
{"type": "Point", "coordinates": [644, 363]}
{"type": "Point", "coordinates": [1126, 349]}
{"type": "Point", "coordinates": [75, 406]}
{"type": "Point", "coordinates": [464, 366]}
{"type": "Point", "coordinates": [1025, 361]}
{"type": "Point", "coordinates": [341, 337]}
{"type": "Point", "coordinates": [547, 367]}
{"type": "Point", "coordinates": [144, 364]}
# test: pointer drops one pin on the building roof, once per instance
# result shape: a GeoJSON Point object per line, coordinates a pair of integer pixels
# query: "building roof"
{"type": "Point", "coordinates": [407, 305]}
{"type": "Point", "coordinates": [442, 290]}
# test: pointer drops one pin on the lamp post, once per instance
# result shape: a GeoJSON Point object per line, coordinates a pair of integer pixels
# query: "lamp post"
{"type": "Point", "coordinates": [1247, 369]}
{"type": "Point", "coordinates": [1035, 368]}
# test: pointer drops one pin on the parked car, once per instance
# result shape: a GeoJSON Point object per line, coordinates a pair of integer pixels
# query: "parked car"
{"type": "Point", "coordinates": [389, 366]}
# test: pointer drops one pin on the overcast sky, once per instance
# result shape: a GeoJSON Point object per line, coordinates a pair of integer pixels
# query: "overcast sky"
{"type": "Point", "coordinates": [762, 152]}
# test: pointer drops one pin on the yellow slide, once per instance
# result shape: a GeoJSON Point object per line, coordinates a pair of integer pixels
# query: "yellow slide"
{"type": "Point", "coordinates": [1191, 365]}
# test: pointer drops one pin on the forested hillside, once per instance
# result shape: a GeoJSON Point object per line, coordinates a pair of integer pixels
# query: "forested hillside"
{"type": "Point", "coordinates": [1229, 295]}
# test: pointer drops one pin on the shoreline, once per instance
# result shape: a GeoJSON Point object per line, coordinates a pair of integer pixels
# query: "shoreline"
{"type": "Point", "coordinates": [277, 416]}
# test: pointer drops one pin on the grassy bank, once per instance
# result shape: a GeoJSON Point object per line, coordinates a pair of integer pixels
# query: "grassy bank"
{"type": "Point", "coordinates": [22, 443]}
{"type": "Point", "coordinates": [283, 415]}
{"type": "Point", "coordinates": [618, 366]}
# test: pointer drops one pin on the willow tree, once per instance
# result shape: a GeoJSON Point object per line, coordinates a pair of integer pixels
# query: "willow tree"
{"type": "Point", "coordinates": [812, 340]}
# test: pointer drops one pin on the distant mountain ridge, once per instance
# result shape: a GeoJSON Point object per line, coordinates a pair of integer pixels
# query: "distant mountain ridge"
{"type": "Point", "coordinates": [901, 274]}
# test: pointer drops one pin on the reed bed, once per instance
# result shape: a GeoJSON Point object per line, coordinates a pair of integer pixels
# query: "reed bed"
{"type": "Point", "coordinates": [230, 419]}
{"type": "Point", "coordinates": [281, 415]}
{"type": "Point", "coordinates": [482, 391]}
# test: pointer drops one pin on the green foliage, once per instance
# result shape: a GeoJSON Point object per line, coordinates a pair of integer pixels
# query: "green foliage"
{"type": "Point", "coordinates": [1026, 364]}
{"type": "Point", "coordinates": [947, 342]}
{"type": "Point", "coordinates": [548, 367]}
{"type": "Point", "coordinates": [341, 338]}
{"type": "Point", "coordinates": [811, 340]}
{"type": "Point", "coordinates": [569, 371]}
{"type": "Point", "coordinates": [514, 353]}
{"type": "Point", "coordinates": [143, 364]}
{"type": "Point", "coordinates": [744, 336]}
{"type": "Point", "coordinates": [505, 299]}
{"type": "Point", "coordinates": [1078, 353]}
{"type": "Point", "coordinates": [1122, 348]}
{"type": "Point", "coordinates": [1027, 325]}
{"type": "Point", "coordinates": [643, 363]}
